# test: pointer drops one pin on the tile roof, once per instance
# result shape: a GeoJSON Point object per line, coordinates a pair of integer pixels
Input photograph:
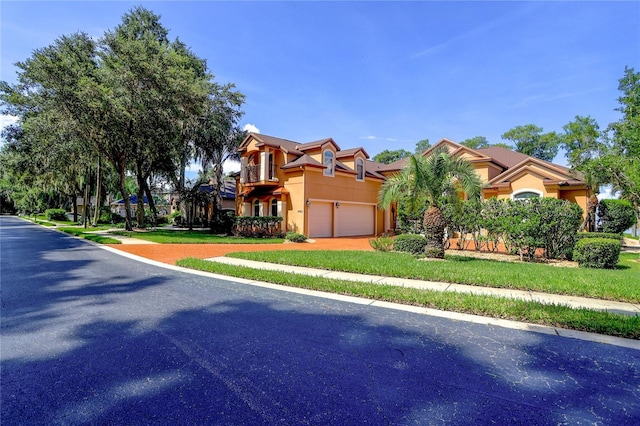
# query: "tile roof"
{"type": "Point", "coordinates": [304, 160]}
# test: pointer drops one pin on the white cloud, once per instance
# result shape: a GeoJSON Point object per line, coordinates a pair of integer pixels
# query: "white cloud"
{"type": "Point", "coordinates": [251, 128]}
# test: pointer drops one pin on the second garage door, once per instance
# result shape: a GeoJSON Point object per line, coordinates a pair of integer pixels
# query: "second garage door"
{"type": "Point", "coordinates": [354, 219]}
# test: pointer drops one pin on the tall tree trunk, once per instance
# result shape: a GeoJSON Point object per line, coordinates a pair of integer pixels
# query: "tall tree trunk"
{"type": "Point", "coordinates": [141, 184]}
{"type": "Point", "coordinates": [125, 196]}
{"type": "Point", "coordinates": [434, 225]}
{"type": "Point", "coordinates": [96, 215]}
{"type": "Point", "coordinates": [75, 206]}
{"type": "Point", "coordinates": [152, 204]}
{"type": "Point", "coordinates": [85, 201]}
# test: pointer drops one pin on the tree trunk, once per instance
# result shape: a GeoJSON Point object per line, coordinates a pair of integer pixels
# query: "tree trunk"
{"type": "Point", "coordinates": [152, 204]}
{"type": "Point", "coordinates": [125, 197]}
{"type": "Point", "coordinates": [96, 215]}
{"type": "Point", "coordinates": [141, 184]}
{"type": "Point", "coordinates": [434, 225]}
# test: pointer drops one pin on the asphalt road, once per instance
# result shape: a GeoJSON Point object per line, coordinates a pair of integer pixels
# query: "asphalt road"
{"type": "Point", "coordinates": [91, 337]}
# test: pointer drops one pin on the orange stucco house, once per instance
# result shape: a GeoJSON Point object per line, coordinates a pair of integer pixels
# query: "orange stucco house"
{"type": "Point", "coordinates": [321, 190]}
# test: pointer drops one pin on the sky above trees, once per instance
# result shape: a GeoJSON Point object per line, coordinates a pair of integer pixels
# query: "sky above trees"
{"type": "Point", "coordinates": [383, 75]}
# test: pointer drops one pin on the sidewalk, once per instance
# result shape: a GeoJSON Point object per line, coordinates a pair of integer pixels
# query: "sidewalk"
{"type": "Point", "coordinates": [544, 298]}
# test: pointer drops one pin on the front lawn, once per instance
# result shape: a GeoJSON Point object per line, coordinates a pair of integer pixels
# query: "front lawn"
{"type": "Point", "coordinates": [168, 236]}
{"type": "Point", "coordinates": [496, 307]}
{"type": "Point", "coordinates": [87, 235]}
{"type": "Point", "coordinates": [622, 284]}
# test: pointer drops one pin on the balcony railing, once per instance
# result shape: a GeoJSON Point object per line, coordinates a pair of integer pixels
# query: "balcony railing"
{"type": "Point", "coordinates": [251, 174]}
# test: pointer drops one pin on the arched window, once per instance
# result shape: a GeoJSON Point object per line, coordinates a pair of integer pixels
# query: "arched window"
{"type": "Point", "coordinates": [359, 169]}
{"type": "Point", "coordinates": [527, 193]}
{"type": "Point", "coordinates": [327, 160]}
{"type": "Point", "coordinates": [274, 207]}
{"type": "Point", "coordinates": [256, 208]}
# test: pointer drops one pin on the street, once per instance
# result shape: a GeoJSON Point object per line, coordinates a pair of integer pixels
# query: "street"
{"type": "Point", "coordinates": [91, 337]}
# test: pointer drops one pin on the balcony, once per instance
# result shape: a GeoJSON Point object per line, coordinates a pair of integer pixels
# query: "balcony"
{"type": "Point", "coordinates": [250, 175]}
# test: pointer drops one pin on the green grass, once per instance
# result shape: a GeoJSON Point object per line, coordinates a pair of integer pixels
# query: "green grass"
{"type": "Point", "coordinates": [622, 284]}
{"type": "Point", "coordinates": [631, 236]}
{"type": "Point", "coordinates": [85, 233]}
{"type": "Point", "coordinates": [531, 312]}
{"type": "Point", "coordinates": [167, 236]}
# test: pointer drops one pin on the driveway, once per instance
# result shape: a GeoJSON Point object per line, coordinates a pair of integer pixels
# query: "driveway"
{"type": "Point", "coordinates": [170, 253]}
{"type": "Point", "coordinates": [91, 337]}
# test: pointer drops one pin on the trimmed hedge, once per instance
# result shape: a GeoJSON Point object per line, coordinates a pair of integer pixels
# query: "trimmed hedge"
{"type": "Point", "coordinates": [616, 216]}
{"type": "Point", "coordinates": [410, 243]}
{"type": "Point", "coordinates": [607, 235]}
{"type": "Point", "coordinates": [56, 214]}
{"type": "Point", "coordinates": [601, 253]}
{"type": "Point", "coordinates": [258, 226]}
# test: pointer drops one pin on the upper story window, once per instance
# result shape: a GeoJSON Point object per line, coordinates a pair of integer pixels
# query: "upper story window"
{"type": "Point", "coordinates": [271, 169]}
{"type": "Point", "coordinates": [328, 161]}
{"type": "Point", "coordinates": [359, 169]}
{"type": "Point", "coordinates": [523, 195]}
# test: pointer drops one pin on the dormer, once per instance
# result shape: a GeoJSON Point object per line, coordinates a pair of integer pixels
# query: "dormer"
{"type": "Point", "coordinates": [356, 160]}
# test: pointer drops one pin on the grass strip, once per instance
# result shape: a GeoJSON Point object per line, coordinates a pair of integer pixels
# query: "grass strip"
{"type": "Point", "coordinates": [489, 306]}
{"type": "Point", "coordinates": [82, 233]}
{"type": "Point", "coordinates": [167, 236]}
{"type": "Point", "coordinates": [622, 284]}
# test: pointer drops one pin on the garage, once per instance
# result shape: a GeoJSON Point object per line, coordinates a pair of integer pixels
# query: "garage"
{"type": "Point", "coordinates": [354, 219]}
{"type": "Point", "coordinates": [320, 214]}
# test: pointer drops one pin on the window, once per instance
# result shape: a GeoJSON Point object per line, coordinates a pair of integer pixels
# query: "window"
{"type": "Point", "coordinates": [327, 160]}
{"type": "Point", "coordinates": [271, 172]}
{"type": "Point", "coordinates": [256, 208]}
{"type": "Point", "coordinates": [359, 169]}
{"type": "Point", "coordinates": [274, 207]}
{"type": "Point", "coordinates": [523, 195]}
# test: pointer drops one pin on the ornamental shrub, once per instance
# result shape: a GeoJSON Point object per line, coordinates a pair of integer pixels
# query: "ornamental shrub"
{"type": "Point", "coordinates": [601, 253]}
{"type": "Point", "coordinates": [175, 218]}
{"type": "Point", "coordinates": [607, 235]}
{"type": "Point", "coordinates": [295, 237]}
{"type": "Point", "coordinates": [56, 214]}
{"type": "Point", "coordinates": [381, 243]}
{"type": "Point", "coordinates": [410, 243]}
{"type": "Point", "coordinates": [258, 226]}
{"type": "Point", "coordinates": [616, 216]}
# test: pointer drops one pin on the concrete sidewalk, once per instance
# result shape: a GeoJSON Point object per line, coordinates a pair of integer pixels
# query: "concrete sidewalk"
{"type": "Point", "coordinates": [545, 298]}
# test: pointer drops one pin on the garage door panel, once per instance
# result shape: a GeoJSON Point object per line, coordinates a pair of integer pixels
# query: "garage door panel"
{"type": "Point", "coordinates": [320, 219]}
{"type": "Point", "coordinates": [354, 220]}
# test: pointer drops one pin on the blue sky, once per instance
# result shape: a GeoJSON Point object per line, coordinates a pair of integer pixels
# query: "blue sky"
{"type": "Point", "coordinates": [382, 75]}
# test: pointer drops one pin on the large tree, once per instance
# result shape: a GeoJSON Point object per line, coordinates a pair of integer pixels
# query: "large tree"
{"type": "Point", "coordinates": [433, 176]}
{"type": "Point", "coordinates": [388, 157]}
{"type": "Point", "coordinates": [476, 142]}
{"type": "Point", "coordinates": [530, 140]}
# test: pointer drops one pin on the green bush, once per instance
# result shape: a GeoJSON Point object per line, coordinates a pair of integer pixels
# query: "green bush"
{"type": "Point", "coordinates": [381, 243]}
{"type": "Point", "coordinates": [107, 216]}
{"type": "Point", "coordinates": [616, 216]}
{"type": "Point", "coordinates": [258, 226]}
{"type": "Point", "coordinates": [56, 214]}
{"type": "Point", "coordinates": [410, 243]}
{"type": "Point", "coordinates": [601, 253]}
{"type": "Point", "coordinates": [295, 237]}
{"type": "Point", "coordinates": [607, 235]}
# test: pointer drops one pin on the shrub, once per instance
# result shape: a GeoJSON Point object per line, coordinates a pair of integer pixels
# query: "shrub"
{"type": "Point", "coordinates": [107, 216]}
{"type": "Point", "coordinates": [56, 214]}
{"type": "Point", "coordinates": [607, 235]}
{"type": "Point", "coordinates": [381, 243]}
{"type": "Point", "coordinates": [602, 253]}
{"type": "Point", "coordinates": [258, 226]}
{"type": "Point", "coordinates": [295, 237]}
{"type": "Point", "coordinates": [410, 243]}
{"type": "Point", "coordinates": [616, 216]}
{"type": "Point", "coordinates": [175, 218]}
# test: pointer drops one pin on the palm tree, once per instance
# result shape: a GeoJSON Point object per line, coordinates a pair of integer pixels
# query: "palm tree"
{"type": "Point", "coordinates": [433, 176]}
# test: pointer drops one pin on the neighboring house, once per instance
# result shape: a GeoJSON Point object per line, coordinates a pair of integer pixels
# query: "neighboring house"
{"type": "Point", "coordinates": [513, 175]}
{"type": "Point", "coordinates": [162, 206]}
{"type": "Point", "coordinates": [317, 188]}
{"type": "Point", "coordinates": [323, 191]}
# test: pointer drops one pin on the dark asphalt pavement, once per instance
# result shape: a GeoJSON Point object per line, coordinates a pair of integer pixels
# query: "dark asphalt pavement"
{"type": "Point", "coordinates": [91, 337]}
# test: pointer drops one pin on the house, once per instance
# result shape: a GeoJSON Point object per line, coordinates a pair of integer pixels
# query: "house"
{"type": "Point", "coordinates": [317, 188]}
{"type": "Point", "coordinates": [160, 202]}
{"type": "Point", "coordinates": [321, 190]}
{"type": "Point", "coordinates": [514, 175]}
